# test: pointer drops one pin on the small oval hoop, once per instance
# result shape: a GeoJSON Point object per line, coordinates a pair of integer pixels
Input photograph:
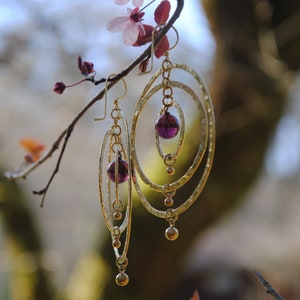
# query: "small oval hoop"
{"type": "Point", "coordinates": [181, 135]}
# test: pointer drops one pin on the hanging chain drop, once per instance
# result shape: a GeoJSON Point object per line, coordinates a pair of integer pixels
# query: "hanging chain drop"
{"type": "Point", "coordinates": [116, 143]}
{"type": "Point", "coordinates": [167, 100]}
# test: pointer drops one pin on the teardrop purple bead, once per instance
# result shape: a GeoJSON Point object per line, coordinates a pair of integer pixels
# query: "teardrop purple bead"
{"type": "Point", "coordinates": [167, 126]}
{"type": "Point", "coordinates": [122, 171]}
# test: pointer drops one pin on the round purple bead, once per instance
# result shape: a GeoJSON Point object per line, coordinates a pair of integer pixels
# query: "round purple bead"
{"type": "Point", "coordinates": [122, 171]}
{"type": "Point", "coordinates": [167, 126]}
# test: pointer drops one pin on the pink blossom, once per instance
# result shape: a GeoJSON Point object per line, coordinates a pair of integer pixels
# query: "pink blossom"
{"type": "Point", "coordinates": [131, 26]}
{"type": "Point", "coordinates": [161, 15]}
{"type": "Point", "coordinates": [135, 3]}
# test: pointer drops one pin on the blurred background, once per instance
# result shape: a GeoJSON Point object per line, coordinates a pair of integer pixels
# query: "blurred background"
{"type": "Point", "coordinates": [248, 215]}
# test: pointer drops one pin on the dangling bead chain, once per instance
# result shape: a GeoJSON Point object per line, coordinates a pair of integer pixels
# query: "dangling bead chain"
{"type": "Point", "coordinates": [116, 143]}
{"type": "Point", "coordinates": [167, 100]}
{"type": "Point", "coordinates": [167, 126]}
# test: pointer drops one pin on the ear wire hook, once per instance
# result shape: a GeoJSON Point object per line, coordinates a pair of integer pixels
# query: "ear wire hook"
{"type": "Point", "coordinates": [152, 52]}
{"type": "Point", "coordinates": [105, 97]}
{"type": "Point", "coordinates": [177, 39]}
{"type": "Point", "coordinates": [152, 47]}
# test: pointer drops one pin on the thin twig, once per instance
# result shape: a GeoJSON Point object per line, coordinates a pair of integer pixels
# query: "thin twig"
{"type": "Point", "coordinates": [67, 132]}
{"type": "Point", "coordinates": [43, 192]}
{"type": "Point", "coordinates": [267, 285]}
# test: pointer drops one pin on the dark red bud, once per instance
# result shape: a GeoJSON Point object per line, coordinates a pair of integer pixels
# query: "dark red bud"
{"type": "Point", "coordinates": [59, 87]}
{"type": "Point", "coordinates": [87, 68]}
{"type": "Point", "coordinates": [143, 65]}
{"type": "Point", "coordinates": [162, 12]}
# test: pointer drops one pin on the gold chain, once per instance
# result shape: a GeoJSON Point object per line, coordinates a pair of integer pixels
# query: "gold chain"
{"type": "Point", "coordinates": [167, 100]}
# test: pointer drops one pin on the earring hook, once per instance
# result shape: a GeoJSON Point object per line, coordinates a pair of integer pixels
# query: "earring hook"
{"type": "Point", "coordinates": [152, 47]}
{"type": "Point", "coordinates": [105, 96]}
{"type": "Point", "coordinates": [177, 39]}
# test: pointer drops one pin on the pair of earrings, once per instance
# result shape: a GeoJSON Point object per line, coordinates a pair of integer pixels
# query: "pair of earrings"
{"type": "Point", "coordinates": [120, 162]}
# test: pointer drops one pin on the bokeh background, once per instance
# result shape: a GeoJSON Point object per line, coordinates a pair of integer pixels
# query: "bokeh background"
{"type": "Point", "coordinates": [248, 216]}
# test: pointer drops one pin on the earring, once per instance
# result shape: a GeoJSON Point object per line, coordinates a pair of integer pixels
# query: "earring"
{"type": "Point", "coordinates": [169, 133]}
{"type": "Point", "coordinates": [114, 173]}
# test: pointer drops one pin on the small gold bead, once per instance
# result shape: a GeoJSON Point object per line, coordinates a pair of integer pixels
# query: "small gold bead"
{"type": "Point", "coordinates": [168, 202]}
{"type": "Point", "coordinates": [118, 215]}
{"type": "Point", "coordinates": [171, 233]}
{"type": "Point", "coordinates": [122, 279]}
{"type": "Point", "coordinates": [116, 243]}
{"type": "Point", "coordinates": [170, 171]}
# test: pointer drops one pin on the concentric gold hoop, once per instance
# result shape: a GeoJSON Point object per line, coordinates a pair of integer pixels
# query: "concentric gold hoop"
{"type": "Point", "coordinates": [206, 146]}
{"type": "Point", "coordinates": [201, 149]}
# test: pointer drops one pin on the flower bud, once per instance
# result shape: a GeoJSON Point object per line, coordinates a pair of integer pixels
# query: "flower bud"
{"type": "Point", "coordinates": [59, 87]}
{"type": "Point", "coordinates": [87, 68]}
{"type": "Point", "coordinates": [143, 65]}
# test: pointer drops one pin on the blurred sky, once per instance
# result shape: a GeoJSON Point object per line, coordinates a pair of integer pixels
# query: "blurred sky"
{"type": "Point", "coordinates": [15, 13]}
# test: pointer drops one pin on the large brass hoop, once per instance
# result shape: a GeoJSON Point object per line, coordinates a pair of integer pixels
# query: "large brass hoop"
{"type": "Point", "coordinates": [206, 146]}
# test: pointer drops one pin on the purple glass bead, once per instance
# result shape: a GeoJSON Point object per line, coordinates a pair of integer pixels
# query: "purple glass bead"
{"type": "Point", "coordinates": [122, 170]}
{"type": "Point", "coordinates": [167, 126]}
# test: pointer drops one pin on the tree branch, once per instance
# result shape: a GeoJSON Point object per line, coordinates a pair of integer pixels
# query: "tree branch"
{"type": "Point", "coordinates": [67, 132]}
{"type": "Point", "coordinates": [267, 285]}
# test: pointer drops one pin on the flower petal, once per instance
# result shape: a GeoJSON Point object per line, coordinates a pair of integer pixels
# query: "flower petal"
{"type": "Point", "coordinates": [162, 12]}
{"type": "Point", "coordinates": [121, 2]}
{"type": "Point", "coordinates": [130, 33]}
{"type": "Point", "coordinates": [33, 148]}
{"type": "Point", "coordinates": [137, 3]}
{"type": "Point", "coordinates": [79, 63]}
{"type": "Point", "coordinates": [131, 11]}
{"type": "Point", "coordinates": [146, 37]}
{"type": "Point", "coordinates": [143, 65]}
{"type": "Point", "coordinates": [117, 24]}
{"type": "Point", "coordinates": [162, 47]}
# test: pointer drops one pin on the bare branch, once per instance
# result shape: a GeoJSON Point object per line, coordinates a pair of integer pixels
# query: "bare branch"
{"type": "Point", "coordinates": [267, 285]}
{"type": "Point", "coordinates": [43, 192]}
{"type": "Point", "coordinates": [66, 133]}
